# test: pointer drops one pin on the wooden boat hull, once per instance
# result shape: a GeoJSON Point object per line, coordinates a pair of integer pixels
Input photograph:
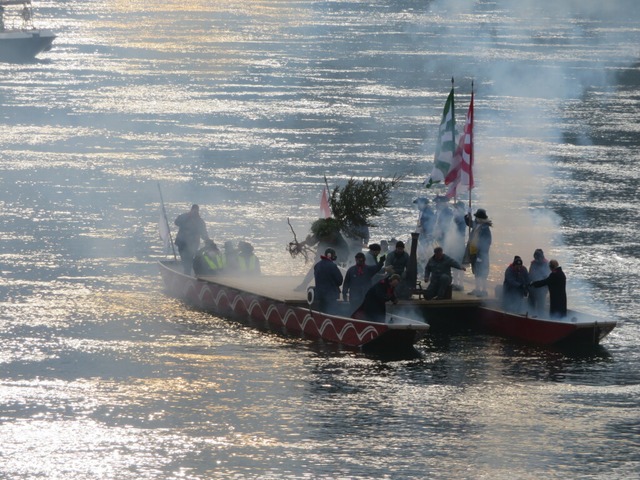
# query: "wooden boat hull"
{"type": "Point", "coordinates": [577, 329]}
{"type": "Point", "coordinates": [461, 314]}
{"type": "Point", "coordinates": [292, 318]}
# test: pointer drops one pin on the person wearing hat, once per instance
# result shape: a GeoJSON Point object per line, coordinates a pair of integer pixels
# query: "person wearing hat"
{"type": "Point", "coordinates": [191, 228]}
{"type": "Point", "coordinates": [515, 287]}
{"type": "Point", "coordinates": [328, 281]}
{"type": "Point", "coordinates": [477, 250]}
{"type": "Point", "coordinates": [538, 270]}
{"type": "Point", "coordinates": [357, 280]}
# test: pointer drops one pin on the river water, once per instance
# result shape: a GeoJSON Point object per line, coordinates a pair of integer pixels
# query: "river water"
{"type": "Point", "coordinates": [243, 106]}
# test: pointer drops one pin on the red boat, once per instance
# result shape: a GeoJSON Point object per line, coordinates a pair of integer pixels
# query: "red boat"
{"type": "Point", "coordinates": [464, 312]}
{"type": "Point", "coordinates": [272, 302]}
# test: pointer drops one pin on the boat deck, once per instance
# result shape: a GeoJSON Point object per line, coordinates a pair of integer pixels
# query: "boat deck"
{"type": "Point", "coordinates": [282, 288]}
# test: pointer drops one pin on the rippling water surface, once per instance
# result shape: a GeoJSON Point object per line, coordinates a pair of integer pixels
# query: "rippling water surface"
{"type": "Point", "coordinates": [243, 107]}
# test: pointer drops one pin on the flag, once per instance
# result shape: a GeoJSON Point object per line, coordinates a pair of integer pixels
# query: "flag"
{"type": "Point", "coordinates": [163, 228]}
{"type": "Point", "coordinates": [461, 173]}
{"type": "Point", "coordinates": [325, 211]}
{"type": "Point", "coordinates": [445, 145]}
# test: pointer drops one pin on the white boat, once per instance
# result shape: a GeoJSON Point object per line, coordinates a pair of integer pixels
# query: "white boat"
{"type": "Point", "coordinates": [19, 39]}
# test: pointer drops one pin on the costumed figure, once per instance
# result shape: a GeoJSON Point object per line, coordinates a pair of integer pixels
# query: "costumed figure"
{"type": "Point", "coordinates": [478, 250]}
{"type": "Point", "coordinates": [538, 270]}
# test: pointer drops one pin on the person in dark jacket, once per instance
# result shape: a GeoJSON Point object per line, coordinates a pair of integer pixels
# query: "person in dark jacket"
{"type": "Point", "coordinates": [357, 280]}
{"type": "Point", "coordinates": [438, 274]}
{"type": "Point", "coordinates": [373, 306]}
{"type": "Point", "coordinates": [398, 259]}
{"type": "Point", "coordinates": [191, 228]}
{"type": "Point", "coordinates": [328, 280]}
{"type": "Point", "coordinates": [515, 287]}
{"type": "Point", "coordinates": [557, 284]}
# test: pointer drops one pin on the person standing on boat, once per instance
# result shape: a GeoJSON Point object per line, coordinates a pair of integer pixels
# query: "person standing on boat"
{"type": "Point", "coordinates": [515, 287]}
{"type": "Point", "coordinates": [373, 306]}
{"type": "Point", "coordinates": [438, 274]}
{"type": "Point", "coordinates": [478, 249]}
{"type": "Point", "coordinates": [538, 270]}
{"type": "Point", "coordinates": [357, 280]}
{"type": "Point", "coordinates": [557, 284]}
{"type": "Point", "coordinates": [328, 281]}
{"type": "Point", "coordinates": [191, 228]}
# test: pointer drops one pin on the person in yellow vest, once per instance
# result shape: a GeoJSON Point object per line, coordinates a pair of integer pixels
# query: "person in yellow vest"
{"type": "Point", "coordinates": [208, 260]}
{"type": "Point", "coordinates": [248, 263]}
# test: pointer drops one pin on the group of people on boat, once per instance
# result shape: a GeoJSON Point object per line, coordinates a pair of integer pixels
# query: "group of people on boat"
{"type": "Point", "coordinates": [375, 278]}
{"type": "Point", "coordinates": [210, 260]}
{"type": "Point", "coordinates": [522, 289]}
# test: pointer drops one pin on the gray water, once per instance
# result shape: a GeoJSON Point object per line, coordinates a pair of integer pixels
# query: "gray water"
{"type": "Point", "coordinates": [243, 107]}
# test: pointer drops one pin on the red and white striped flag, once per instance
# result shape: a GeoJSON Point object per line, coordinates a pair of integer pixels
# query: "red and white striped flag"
{"type": "Point", "coordinates": [461, 173]}
{"type": "Point", "coordinates": [325, 211]}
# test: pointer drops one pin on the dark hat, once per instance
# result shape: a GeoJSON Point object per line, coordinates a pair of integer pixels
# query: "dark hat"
{"type": "Point", "coordinates": [360, 255]}
{"type": "Point", "coordinates": [517, 260]}
{"type": "Point", "coordinates": [481, 213]}
{"type": "Point", "coordinates": [400, 244]}
{"type": "Point", "coordinates": [374, 247]}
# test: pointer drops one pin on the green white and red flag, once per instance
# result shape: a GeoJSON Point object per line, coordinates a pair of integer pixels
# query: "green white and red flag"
{"type": "Point", "coordinates": [446, 144]}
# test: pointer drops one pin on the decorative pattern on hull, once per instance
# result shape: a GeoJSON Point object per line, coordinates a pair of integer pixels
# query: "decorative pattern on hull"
{"type": "Point", "coordinates": [222, 299]}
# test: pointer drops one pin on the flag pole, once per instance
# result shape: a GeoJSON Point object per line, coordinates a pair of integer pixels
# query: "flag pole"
{"type": "Point", "coordinates": [471, 172]}
{"type": "Point", "coordinates": [326, 183]}
{"type": "Point", "coordinates": [164, 214]}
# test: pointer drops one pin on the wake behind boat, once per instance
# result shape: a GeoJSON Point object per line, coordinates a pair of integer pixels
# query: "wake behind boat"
{"type": "Point", "coordinates": [20, 41]}
{"type": "Point", "coordinates": [270, 301]}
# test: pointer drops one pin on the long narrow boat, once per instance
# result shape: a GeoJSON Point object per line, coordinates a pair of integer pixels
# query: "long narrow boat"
{"type": "Point", "coordinates": [270, 301]}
